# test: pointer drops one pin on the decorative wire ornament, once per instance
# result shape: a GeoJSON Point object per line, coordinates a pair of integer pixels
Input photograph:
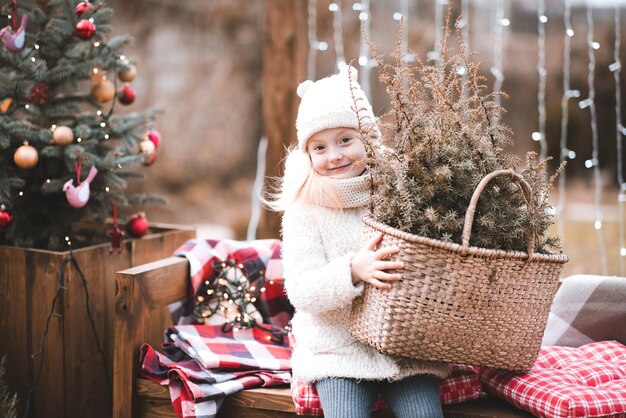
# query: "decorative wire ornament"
{"type": "Point", "coordinates": [496, 69]}
{"type": "Point", "coordinates": [594, 162]}
{"type": "Point", "coordinates": [567, 95]}
{"type": "Point", "coordinates": [335, 8]}
{"type": "Point", "coordinates": [616, 68]}
{"type": "Point", "coordinates": [232, 292]}
{"type": "Point", "coordinates": [540, 136]}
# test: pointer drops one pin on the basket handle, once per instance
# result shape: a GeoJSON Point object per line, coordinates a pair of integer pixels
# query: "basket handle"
{"type": "Point", "coordinates": [469, 215]}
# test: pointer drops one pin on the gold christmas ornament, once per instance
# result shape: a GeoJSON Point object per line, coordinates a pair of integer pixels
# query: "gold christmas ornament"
{"type": "Point", "coordinates": [127, 74]}
{"type": "Point", "coordinates": [26, 156]}
{"type": "Point", "coordinates": [97, 76]}
{"type": "Point", "coordinates": [5, 104]}
{"type": "Point", "coordinates": [63, 136]}
{"type": "Point", "coordinates": [104, 91]}
{"type": "Point", "coordinates": [146, 146]}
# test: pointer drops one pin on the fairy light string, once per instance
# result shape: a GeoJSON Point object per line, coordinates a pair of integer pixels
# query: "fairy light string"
{"type": "Point", "coordinates": [540, 135]}
{"type": "Point", "coordinates": [435, 54]}
{"type": "Point", "coordinates": [335, 8]}
{"type": "Point", "coordinates": [313, 41]}
{"type": "Point", "coordinates": [616, 68]}
{"type": "Point", "coordinates": [496, 69]}
{"type": "Point", "coordinates": [403, 16]}
{"type": "Point", "coordinates": [567, 95]}
{"type": "Point", "coordinates": [364, 54]}
{"type": "Point", "coordinates": [593, 163]}
{"type": "Point", "coordinates": [463, 25]}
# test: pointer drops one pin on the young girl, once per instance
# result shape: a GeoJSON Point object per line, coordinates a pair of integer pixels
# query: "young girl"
{"type": "Point", "coordinates": [324, 195]}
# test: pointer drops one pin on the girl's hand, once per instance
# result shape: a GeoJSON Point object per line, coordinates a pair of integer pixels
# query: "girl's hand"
{"type": "Point", "coordinates": [369, 264]}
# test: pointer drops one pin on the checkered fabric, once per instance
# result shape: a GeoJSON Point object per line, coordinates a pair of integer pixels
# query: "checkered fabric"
{"type": "Point", "coordinates": [461, 384]}
{"type": "Point", "coordinates": [589, 381]}
{"type": "Point", "coordinates": [202, 364]}
{"type": "Point", "coordinates": [256, 255]}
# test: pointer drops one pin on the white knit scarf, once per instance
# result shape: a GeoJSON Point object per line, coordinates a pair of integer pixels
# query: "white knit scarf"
{"type": "Point", "coordinates": [352, 192]}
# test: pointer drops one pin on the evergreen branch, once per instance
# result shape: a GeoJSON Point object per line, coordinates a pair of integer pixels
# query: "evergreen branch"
{"type": "Point", "coordinates": [147, 199]}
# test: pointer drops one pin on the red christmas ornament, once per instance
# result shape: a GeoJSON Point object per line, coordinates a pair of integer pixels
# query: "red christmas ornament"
{"type": "Point", "coordinates": [137, 225]}
{"type": "Point", "coordinates": [126, 95]}
{"type": "Point", "coordinates": [85, 29]}
{"type": "Point", "coordinates": [116, 234]}
{"type": "Point", "coordinates": [149, 159]}
{"type": "Point", "coordinates": [83, 7]}
{"type": "Point", "coordinates": [155, 137]}
{"type": "Point", "coordinates": [5, 217]}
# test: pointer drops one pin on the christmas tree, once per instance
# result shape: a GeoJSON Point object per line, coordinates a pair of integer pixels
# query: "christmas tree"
{"type": "Point", "coordinates": [65, 155]}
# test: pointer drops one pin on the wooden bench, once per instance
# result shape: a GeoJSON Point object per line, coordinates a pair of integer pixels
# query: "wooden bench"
{"type": "Point", "coordinates": [141, 297]}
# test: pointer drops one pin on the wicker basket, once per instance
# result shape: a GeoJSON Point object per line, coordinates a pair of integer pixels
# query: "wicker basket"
{"type": "Point", "coordinates": [457, 303]}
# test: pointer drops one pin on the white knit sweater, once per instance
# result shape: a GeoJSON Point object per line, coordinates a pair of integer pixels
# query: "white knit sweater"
{"type": "Point", "coordinates": [318, 244]}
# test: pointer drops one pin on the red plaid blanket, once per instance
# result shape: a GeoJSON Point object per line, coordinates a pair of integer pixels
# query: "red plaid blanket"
{"type": "Point", "coordinates": [588, 381]}
{"type": "Point", "coordinates": [203, 364]}
{"type": "Point", "coordinates": [258, 256]}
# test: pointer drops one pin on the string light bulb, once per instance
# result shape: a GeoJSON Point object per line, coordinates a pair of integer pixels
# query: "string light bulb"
{"type": "Point", "coordinates": [593, 162]}
{"type": "Point", "coordinates": [496, 69]}
{"type": "Point", "coordinates": [340, 59]}
{"type": "Point", "coordinates": [616, 68]}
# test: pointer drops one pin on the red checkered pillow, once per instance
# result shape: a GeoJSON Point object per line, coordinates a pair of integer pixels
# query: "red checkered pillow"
{"type": "Point", "coordinates": [589, 381]}
{"type": "Point", "coordinates": [462, 384]}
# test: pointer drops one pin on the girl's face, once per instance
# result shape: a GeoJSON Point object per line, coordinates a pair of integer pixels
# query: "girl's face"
{"type": "Point", "coordinates": [337, 153]}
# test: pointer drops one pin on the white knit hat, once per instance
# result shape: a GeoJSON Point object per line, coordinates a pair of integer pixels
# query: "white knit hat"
{"type": "Point", "coordinates": [331, 102]}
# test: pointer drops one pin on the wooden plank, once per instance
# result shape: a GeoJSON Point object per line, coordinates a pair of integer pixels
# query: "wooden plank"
{"type": "Point", "coordinates": [284, 65]}
{"type": "Point", "coordinates": [139, 292]}
{"type": "Point", "coordinates": [486, 407]}
{"type": "Point", "coordinates": [157, 247]}
{"type": "Point", "coordinates": [264, 398]}
{"type": "Point", "coordinates": [131, 329]}
{"type": "Point", "coordinates": [85, 365]}
{"type": "Point", "coordinates": [14, 337]}
{"type": "Point", "coordinates": [41, 270]}
{"type": "Point", "coordinates": [161, 283]}
{"type": "Point", "coordinates": [279, 400]}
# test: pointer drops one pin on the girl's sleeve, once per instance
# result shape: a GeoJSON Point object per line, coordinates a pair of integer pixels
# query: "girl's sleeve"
{"type": "Point", "coordinates": [314, 282]}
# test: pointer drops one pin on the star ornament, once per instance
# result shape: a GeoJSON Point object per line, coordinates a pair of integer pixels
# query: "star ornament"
{"type": "Point", "coordinates": [117, 239]}
{"type": "Point", "coordinates": [39, 93]}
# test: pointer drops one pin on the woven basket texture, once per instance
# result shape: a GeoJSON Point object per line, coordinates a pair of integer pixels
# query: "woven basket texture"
{"type": "Point", "coordinates": [458, 304]}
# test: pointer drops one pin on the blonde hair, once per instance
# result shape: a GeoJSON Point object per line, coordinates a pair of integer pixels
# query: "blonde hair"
{"type": "Point", "coordinates": [301, 183]}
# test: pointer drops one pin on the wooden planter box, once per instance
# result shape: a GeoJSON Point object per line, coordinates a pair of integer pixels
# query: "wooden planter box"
{"type": "Point", "coordinates": [73, 382]}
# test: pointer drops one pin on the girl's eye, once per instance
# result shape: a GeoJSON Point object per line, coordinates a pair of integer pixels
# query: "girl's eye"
{"type": "Point", "coordinates": [318, 148]}
{"type": "Point", "coordinates": [345, 140]}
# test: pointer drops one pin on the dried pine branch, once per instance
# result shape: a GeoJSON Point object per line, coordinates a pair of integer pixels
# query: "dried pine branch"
{"type": "Point", "coordinates": [440, 142]}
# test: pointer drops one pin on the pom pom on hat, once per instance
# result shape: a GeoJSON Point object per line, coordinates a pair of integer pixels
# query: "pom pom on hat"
{"type": "Point", "coordinates": [331, 103]}
{"type": "Point", "coordinates": [304, 87]}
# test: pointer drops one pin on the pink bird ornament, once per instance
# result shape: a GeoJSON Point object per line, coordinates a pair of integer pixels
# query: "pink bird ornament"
{"type": "Point", "coordinates": [78, 196]}
{"type": "Point", "coordinates": [14, 41]}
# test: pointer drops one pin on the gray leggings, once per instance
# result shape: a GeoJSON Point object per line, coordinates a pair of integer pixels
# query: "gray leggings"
{"type": "Point", "coordinates": [413, 397]}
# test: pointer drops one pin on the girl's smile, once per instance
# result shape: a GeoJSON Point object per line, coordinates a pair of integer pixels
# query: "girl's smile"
{"type": "Point", "coordinates": [337, 153]}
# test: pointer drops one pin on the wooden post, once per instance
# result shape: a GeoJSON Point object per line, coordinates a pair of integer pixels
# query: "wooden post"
{"type": "Point", "coordinates": [285, 49]}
